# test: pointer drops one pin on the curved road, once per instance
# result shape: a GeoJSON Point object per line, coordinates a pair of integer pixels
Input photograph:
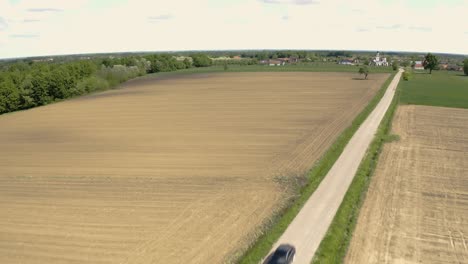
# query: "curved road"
{"type": "Point", "coordinates": [309, 227]}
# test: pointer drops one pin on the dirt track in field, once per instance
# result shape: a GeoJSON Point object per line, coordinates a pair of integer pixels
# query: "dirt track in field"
{"type": "Point", "coordinates": [416, 210]}
{"type": "Point", "coordinates": [169, 171]}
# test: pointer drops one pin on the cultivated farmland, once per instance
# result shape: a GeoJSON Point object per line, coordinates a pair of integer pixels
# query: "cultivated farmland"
{"type": "Point", "coordinates": [178, 170]}
{"type": "Point", "coordinates": [416, 208]}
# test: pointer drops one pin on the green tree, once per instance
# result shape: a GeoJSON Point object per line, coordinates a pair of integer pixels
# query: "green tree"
{"type": "Point", "coordinates": [26, 90]}
{"type": "Point", "coordinates": [465, 66]}
{"type": "Point", "coordinates": [201, 60]}
{"type": "Point", "coordinates": [395, 65]}
{"type": "Point", "coordinates": [430, 62]}
{"type": "Point", "coordinates": [364, 70]}
{"type": "Point", "coordinates": [366, 61]}
{"type": "Point", "coordinates": [40, 93]}
{"type": "Point", "coordinates": [187, 63]}
{"type": "Point", "coordinates": [9, 97]}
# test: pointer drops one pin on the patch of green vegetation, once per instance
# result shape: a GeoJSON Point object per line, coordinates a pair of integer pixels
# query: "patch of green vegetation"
{"type": "Point", "coordinates": [333, 247]}
{"type": "Point", "coordinates": [407, 75]}
{"type": "Point", "coordinates": [310, 67]}
{"type": "Point", "coordinates": [278, 224]}
{"type": "Point", "coordinates": [391, 138]}
{"type": "Point", "coordinates": [441, 88]}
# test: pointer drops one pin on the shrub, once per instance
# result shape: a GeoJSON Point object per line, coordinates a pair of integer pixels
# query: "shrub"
{"type": "Point", "coordinates": [406, 76]}
{"type": "Point", "coordinates": [90, 84]}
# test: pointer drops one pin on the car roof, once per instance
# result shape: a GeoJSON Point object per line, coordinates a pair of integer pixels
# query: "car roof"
{"type": "Point", "coordinates": [285, 247]}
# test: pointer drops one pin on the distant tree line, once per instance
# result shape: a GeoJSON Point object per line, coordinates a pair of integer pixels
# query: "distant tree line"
{"type": "Point", "coordinates": [235, 62]}
{"type": "Point", "coordinates": [339, 54]}
{"type": "Point", "coordinates": [274, 54]}
{"type": "Point", "coordinates": [26, 84]}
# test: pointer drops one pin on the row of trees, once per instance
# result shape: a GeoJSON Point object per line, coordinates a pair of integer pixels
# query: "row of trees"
{"type": "Point", "coordinates": [275, 54]}
{"type": "Point", "coordinates": [25, 85]}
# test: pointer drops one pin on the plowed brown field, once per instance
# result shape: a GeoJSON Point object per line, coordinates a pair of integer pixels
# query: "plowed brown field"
{"type": "Point", "coordinates": [416, 210]}
{"type": "Point", "coordinates": [164, 171]}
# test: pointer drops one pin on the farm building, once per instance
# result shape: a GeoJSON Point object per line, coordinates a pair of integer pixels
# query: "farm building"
{"type": "Point", "coordinates": [276, 62]}
{"type": "Point", "coordinates": [454, 67]}
{"type": "Point", "coordinates": [346, 62]}
{"type": "Point", "coordinates": [443, 66]}
{"type": "Point", "coordinates": [279, 61]}
{"type": "Point", "coordinates": [418, 65]}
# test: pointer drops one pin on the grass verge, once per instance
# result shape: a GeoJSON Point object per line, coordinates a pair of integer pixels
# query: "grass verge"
{"type": "Point", "coordinates": [333, 247]}
{"type": "Point", "coordinates": [281, 221]}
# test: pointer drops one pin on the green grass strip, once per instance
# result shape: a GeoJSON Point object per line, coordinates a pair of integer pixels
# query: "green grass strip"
{"type": "Point", "coordinates": [311, 67]}
{"type": "Point", "coordinates": [441, 88]}
{"type": "Point", "coordinates": [281, 221]}
{"type": "Point", "coordinates": [334, 246]}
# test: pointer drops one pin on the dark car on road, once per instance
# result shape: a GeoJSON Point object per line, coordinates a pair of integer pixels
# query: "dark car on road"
{"type": "Point", "coordinates": [284, 254]}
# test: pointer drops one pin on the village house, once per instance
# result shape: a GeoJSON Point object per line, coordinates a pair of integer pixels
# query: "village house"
{"type": "Point", "coordinates": [346, 62]}
{"type": "Point", "coordinates": [443, 66]}
{"type": "Point", "coordinates": [279, 61]}
{"type": "Point", "coordinates": [454, 67]}
{"type": "Point", "coordinates": [418, 65]}
{"type": "Point", "coordinates": [276, 63]}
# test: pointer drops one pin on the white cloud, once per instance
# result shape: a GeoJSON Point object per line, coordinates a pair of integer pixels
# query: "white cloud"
{"type": "Point", "coordinates": [158, 18]}
{"type": "Point", "coordinates": [138, 25]}
{"type": "Point", "coordinates": [421, 29]}
{"type": "Point", "coordinates": [291, 2]}
{"type": "Point", "coordinates": [391, 27]}
{"type": "Point", "coordinates": [44, 9]}
{"type": "Point", "coordinates": [24, 36]}
{"type": "Point", "coordinates": [3, 24]}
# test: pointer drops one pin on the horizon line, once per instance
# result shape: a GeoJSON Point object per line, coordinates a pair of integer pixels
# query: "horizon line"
{"type": "Point", "coordinates": [226, 50]}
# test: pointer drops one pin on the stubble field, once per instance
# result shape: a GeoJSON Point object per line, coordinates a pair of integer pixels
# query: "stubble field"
{"type": "Point", "coordinates": [416, 209]}
{"type": "Point", "coordinates": [179, 170]}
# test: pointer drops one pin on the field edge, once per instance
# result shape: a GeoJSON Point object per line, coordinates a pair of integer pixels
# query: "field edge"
{"type": "Point", "coordinates": [335, 244]}
{"type": "Point", "coordinates": [273, 228]}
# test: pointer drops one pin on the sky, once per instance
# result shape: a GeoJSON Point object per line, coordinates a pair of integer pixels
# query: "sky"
{"type": "Point", "coordinates": [54, 27]}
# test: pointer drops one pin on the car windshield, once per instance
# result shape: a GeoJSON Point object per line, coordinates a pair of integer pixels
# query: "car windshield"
{"type": "Point", "coordinates": [280, 254]}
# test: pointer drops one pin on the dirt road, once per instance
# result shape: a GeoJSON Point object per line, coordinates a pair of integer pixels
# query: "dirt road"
{"type": "Point", "coordinates": [309, 227]}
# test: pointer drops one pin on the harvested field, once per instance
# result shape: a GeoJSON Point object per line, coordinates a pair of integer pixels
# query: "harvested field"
{"type": "Point", "coordinates": [416, 209]}
{"type": "Point", "coordinates": [179, 170]}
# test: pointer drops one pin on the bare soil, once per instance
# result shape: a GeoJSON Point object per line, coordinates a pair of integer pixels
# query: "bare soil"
{"type": "Point", "coordinates": [416, 210]}
{"type": "Point", "coordinates": [171, 171]}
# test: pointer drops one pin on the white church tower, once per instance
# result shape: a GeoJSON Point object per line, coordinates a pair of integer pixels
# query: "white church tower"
{"type": "Point", "coordinates": [378, 62]}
